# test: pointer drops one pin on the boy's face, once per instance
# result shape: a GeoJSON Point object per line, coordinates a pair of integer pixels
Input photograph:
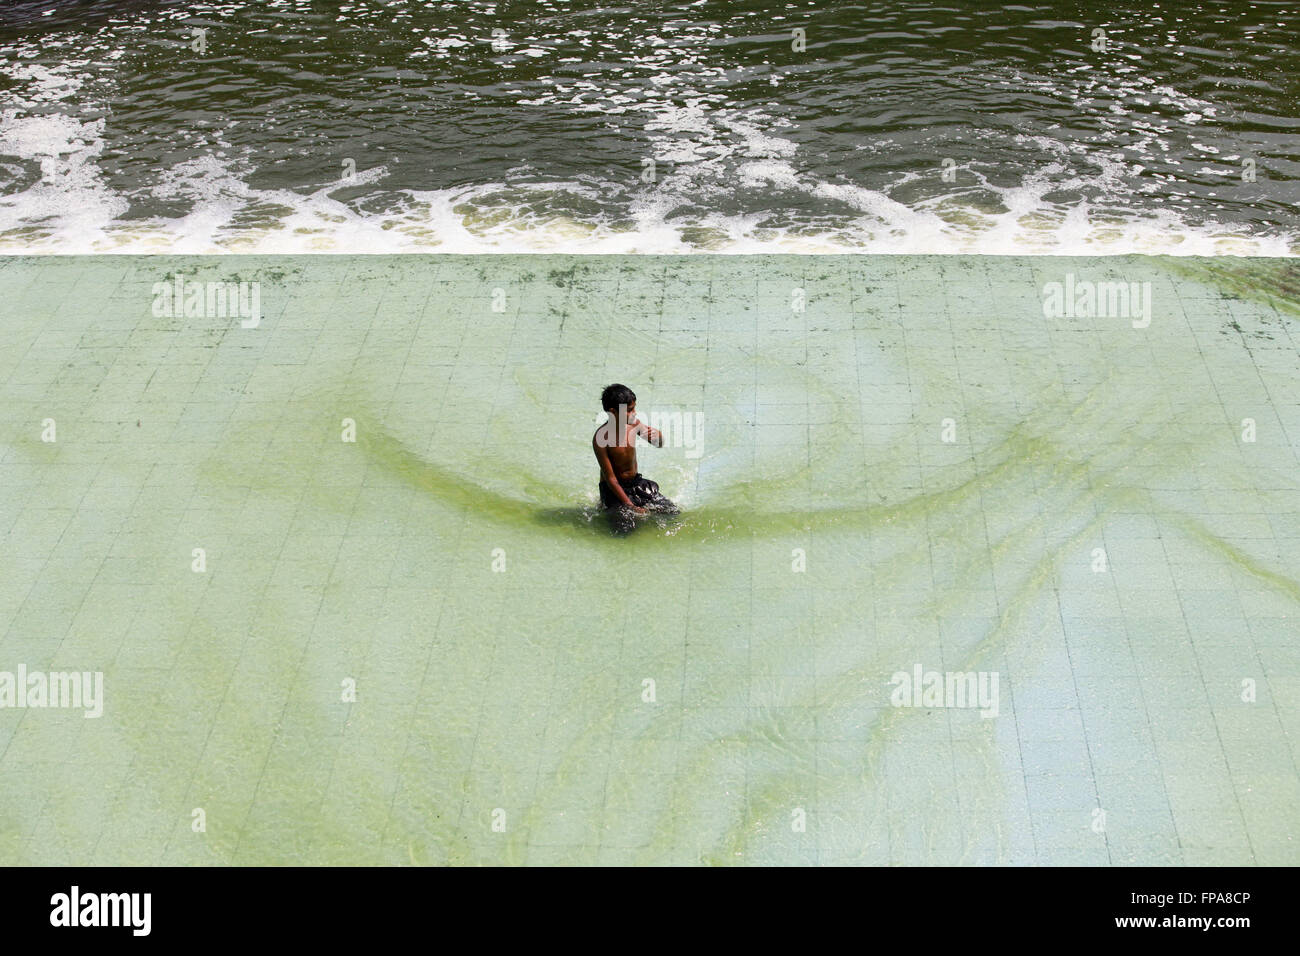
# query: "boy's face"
{"type": "Point", "coordinates": [627, 411]}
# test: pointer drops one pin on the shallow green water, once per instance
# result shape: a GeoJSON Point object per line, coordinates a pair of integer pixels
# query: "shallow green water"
{"type": "Point", "coordinates": [522, 690]}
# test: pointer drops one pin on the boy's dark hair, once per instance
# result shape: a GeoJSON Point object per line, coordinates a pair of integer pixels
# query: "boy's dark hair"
{"type": "Point", "coordinates": [616, 395]}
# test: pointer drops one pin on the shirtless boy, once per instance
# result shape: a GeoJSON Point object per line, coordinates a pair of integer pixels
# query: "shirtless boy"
{"type": "Point", "coordinates": [624, 492]}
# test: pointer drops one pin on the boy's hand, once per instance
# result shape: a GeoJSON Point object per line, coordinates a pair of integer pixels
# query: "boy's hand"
{"type": "Point", "coordinates": [637, 510]}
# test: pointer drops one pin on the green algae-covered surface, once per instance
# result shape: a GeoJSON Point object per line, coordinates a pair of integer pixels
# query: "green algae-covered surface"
{"type": "Point", "coordinates": [340, 567]}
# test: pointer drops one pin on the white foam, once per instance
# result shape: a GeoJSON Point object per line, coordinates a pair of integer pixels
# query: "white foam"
{"type": "Point", "coordinates": [724, 180]}
{"type": "Point", "coordinates": [69, 208]}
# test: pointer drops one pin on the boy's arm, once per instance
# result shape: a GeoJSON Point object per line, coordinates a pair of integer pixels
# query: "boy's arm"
{"type": "Point", "coordinates": [653, 435]}
{"type": "Point", "coordinates": [607, 472]}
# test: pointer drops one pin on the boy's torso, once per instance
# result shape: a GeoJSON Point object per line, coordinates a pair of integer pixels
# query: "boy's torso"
{"type": "Point", "coordinates": [623, 457]}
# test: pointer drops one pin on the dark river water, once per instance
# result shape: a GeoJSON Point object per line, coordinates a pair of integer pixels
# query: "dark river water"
{"type": "Point", "coordinates": [388, 126]}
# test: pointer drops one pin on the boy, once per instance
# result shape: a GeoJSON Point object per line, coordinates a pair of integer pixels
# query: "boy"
{"type": "Point", "coordinates": [624, 493]}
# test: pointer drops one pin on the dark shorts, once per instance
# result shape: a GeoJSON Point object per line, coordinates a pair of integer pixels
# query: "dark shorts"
{"type": "Point", "coordinates": [642, 492]}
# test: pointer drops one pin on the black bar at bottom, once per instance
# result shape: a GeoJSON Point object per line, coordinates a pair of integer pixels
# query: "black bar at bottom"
{"type": "Point", "coordinates": [336, 906]}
